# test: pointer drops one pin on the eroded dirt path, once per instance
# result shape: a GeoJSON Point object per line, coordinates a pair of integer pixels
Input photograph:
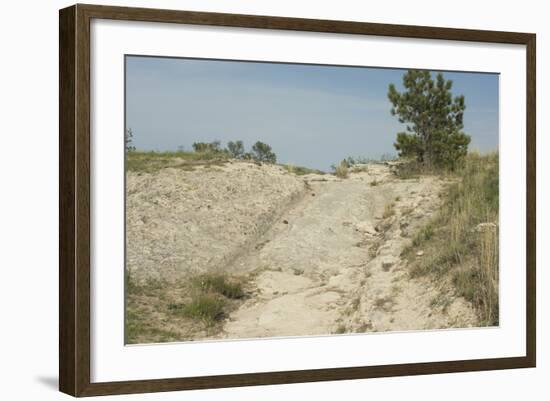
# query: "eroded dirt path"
{"type": "Point", "coordinates": [332, 263]}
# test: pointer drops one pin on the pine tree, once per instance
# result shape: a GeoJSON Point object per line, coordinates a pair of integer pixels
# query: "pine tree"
{"type": "Point", "coordinates": [434, 120]}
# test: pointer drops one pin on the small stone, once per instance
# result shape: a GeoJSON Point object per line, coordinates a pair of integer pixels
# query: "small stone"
{"type": "Point", "coordinates": [419, 253]}
{"type": "Point", "coordinates": [285, 221]}
{"type": "Point", "coordinates": [387, 264]}
{"type": "Point", "coordinates": [365, 228]}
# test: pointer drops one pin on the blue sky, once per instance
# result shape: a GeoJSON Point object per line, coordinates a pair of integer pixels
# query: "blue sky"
{"type": "Point", "coordinates": [311, 115]}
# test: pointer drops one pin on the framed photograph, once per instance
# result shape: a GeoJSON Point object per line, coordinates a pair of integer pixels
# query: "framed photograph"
{"type": "Point", "coordinates": [250, 200]}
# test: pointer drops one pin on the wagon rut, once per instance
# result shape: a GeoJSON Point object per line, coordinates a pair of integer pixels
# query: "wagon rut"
{"type": "Point", "coordinates": [331, 263]}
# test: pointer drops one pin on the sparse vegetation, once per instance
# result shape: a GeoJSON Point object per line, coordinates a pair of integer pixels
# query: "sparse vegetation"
{"type": "Point", "coordinates": [208, 147]}
{"type": "Point", "coordinates": [356, 303]}
{"type": "Point", "coordinates": [442, 301]}
{"type": "Point", "coordinates": [389, 210]}
{"type": "Point", "coordinates": [128, 140]}
{"type": "Point", "coordinates": [425, 234]}
{"type": "Point", "coordinates": [385, 303]}
{"type": "Point", "coordinates": [206, 299]}
{"type": "Point", "coordinates": [373, 249]}
{"type": "Point", "coordinates": [262, 152]}
{"type": "Point", "coordinates": [411, 169]}
{"type": "Point", "coordinates": [204, 154]}
{"type": "Point", "coordinates": [206, 307]}
{"type": "Point", "coordinates": [462, 240]}
{"type": "Point", "coordinates": [342, 170]}
{"type": "Point", "coordinates": [341, 329]}
{"type": "Point", "coordinates": [150, 162]}
{"type": "Point", "coordinates": [220, 284]}
{"type": "Point", "coordinates": [138, 326]}
{"type": "Point", "coordinates": [236, 149]}
{"type": "Point", "coordinates": [300, 170]}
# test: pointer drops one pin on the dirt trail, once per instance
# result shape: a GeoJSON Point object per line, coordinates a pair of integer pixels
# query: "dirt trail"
{"type": "Point", "coordinates": [331, 264]}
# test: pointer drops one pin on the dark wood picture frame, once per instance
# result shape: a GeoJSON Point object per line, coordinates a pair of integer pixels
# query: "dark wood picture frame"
{"type": "Point", "coordinates": [74, 199]}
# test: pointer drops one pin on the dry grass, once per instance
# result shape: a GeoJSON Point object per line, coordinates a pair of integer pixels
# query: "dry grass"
{"type": "Point", "coordinates": [150, 162]}
{"type": "Point", "coordinates": [373, 248]}
{"type": "Point", "coordinates": [360, 168]}
{"type": "Point", "coordinates": [342, 170]}
{"type": "Point", "coordinates": [410, 169]}
{"type": "Point", "coordinates": [341, 329]}
{"type": "Point", "coordinates": [206, 307]}
{"type": "Point", "coordinates": [221, 284]}
{"type": "Point", "coordinates": [456, 246]}
{"type": "Point", "coordinates": [300, 170]}
{"type": "Point", "coordinates": [386, 303]}
{"type": "Point", "coordinates": [389, 210]}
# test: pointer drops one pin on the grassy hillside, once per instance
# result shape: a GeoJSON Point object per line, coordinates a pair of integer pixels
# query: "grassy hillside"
{"type": "Point", "coordinates": [461, 242]}
{"type": "Point", "coordinates": [153, 161]}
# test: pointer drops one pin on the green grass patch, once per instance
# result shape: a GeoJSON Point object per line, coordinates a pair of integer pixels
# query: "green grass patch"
{"type": "Point", "coordinates": [209, 298]}
{"type": "Point", "coordinates": [206, 307]}
{"type": "Point", "coordinates": [193, 307]}
{"type": "Point", "coordinates": [138, 326]}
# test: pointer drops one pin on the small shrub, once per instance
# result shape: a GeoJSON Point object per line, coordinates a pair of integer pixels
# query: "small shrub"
{"type": "Point", "coordinates": [261, 152]}
{"type": "Point", "coordinates": [373, 249]}
{"type": "Point", "coordinates": [356, 303]}
{"type": "Point", "coordinates": [342, 170]}
{"type": "Point", "coordinates": [341, 329]}
{"type": "Point", "coordinates": [220, 284]}
{"type": "Point", "coordinates": [389, 210]}
{"type": "Point", "coordinates": [425, 234]}
{"type": "Point", "coordinates": [128, 140]}
{"type": "Point", "coordinates": [207, 147]}
{"type": "Point", "coordinates": [300, 170]}
{"type": "Point", "coordinates": [236, 149]}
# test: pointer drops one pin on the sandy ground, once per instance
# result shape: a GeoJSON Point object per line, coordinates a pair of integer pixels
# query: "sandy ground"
{"type": "Point", "coordinates": [182, 222]}
{"type": "Point", "coordinates": [323, 253]}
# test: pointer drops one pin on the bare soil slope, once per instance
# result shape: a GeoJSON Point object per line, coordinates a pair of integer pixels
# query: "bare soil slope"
{"type": "Point", "coordinates": [322, 254]}
{"type": "Point", "coordinates": [181, 222]}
